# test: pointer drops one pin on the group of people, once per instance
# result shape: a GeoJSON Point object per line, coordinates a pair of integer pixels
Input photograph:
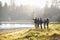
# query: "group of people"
{"type": "Point", "coordinates": [39, 22]}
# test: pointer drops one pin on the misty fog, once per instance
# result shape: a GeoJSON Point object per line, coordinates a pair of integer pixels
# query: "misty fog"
{"type": "Point", "coordinates": [26, 12]}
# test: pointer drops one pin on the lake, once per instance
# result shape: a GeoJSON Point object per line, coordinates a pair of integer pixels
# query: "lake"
{"type": "Point", "coordinates": [11, 26]}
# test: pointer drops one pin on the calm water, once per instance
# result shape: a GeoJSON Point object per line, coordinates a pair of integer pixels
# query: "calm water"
{"type": "Point", "coordinates": [11, 26]}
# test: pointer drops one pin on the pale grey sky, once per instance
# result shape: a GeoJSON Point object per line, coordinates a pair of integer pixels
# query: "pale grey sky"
{"type": "Point", "coordinates": [40, 3]}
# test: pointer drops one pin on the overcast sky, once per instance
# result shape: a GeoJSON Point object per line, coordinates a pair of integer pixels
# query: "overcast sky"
{"type": "Point", "coordinates": [40, 3]}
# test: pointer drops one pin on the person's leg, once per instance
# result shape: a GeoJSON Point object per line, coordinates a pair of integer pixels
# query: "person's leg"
{"type": "Point", "coordinates": [44, 25]}
{"type": "Point", "coordinates": [38, 25]}
{"type": "Point", "coordinates": [47, 25]}
{"type": "Point", "coordinates": [41, 26]}
{"type": "Point", "coordinates": [35, 25]}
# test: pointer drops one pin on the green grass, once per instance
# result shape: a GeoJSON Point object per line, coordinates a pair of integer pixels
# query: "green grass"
{"type": "Point", "coordinates": [53, 33]}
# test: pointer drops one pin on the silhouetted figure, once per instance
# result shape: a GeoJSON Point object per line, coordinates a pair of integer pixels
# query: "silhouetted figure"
{"type": "Point", "coordinates": [40, 22]}
{"type": "Point", "coordinates": [35, 21]}
{"type": "Point", "coordinates": [47, 20]}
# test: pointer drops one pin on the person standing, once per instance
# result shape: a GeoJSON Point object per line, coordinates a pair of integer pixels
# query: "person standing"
{"type": "Point", "coordinates": [35, 22]}
{"type": "Point", "coordinates": [40, 22]}
{"type": "Point", "coordinates": [47, 23]}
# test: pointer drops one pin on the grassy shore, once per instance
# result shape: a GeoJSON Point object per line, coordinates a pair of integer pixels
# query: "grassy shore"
{"type": "Point", "coordinates": [53, 33]}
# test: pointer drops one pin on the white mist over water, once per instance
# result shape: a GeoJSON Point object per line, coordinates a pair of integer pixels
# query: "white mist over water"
{"type": "Point", "coordinates": [9, 26]}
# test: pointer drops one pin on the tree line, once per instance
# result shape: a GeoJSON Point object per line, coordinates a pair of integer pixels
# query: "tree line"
{"type": "Point", "coordinates": [26, 13]}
